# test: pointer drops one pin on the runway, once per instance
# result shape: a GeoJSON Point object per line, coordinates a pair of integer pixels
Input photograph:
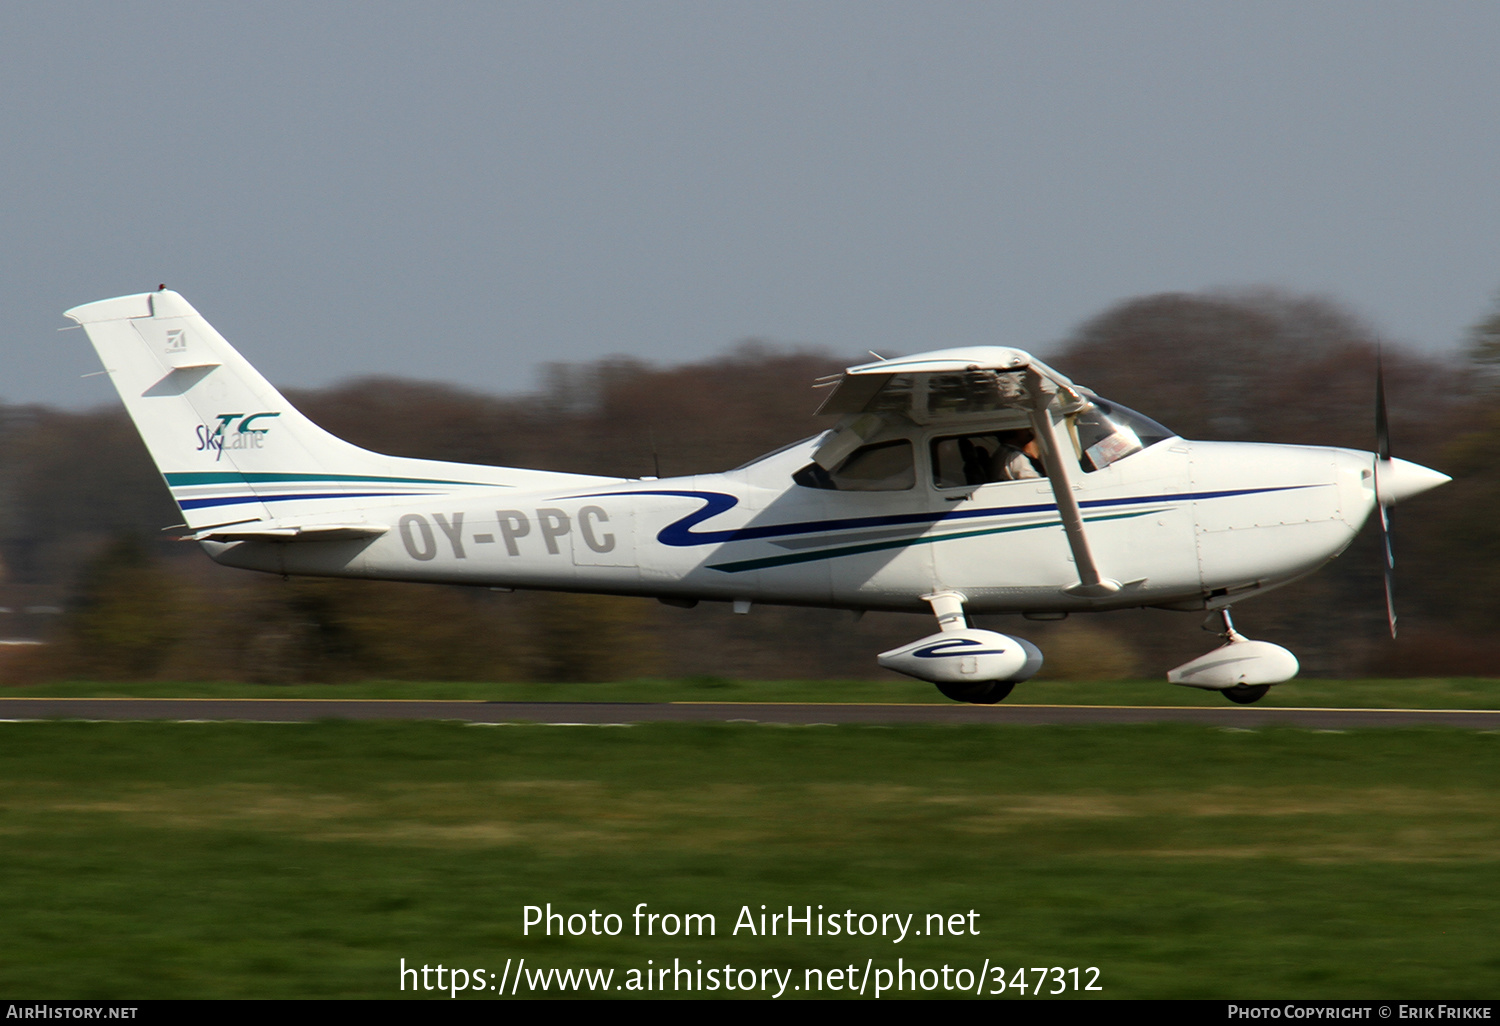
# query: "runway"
{"type": "Point", "coordinates": [281, 710]}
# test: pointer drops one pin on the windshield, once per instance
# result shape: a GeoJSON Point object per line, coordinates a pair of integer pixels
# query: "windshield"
{"type": "Point", "coordinates": [1108, 432]}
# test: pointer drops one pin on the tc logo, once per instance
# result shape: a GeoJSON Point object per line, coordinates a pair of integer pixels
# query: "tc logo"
{"type": "Point", "coordinates": [234, 431]}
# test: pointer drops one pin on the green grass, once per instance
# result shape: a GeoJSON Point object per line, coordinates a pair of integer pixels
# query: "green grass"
{"type": "Point", "coordinates": [1410, 693]}
{"type": "Point", "coordinates": [144, 860]}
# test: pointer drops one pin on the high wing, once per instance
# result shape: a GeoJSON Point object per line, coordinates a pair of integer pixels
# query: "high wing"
{"type": "Point", "coordinates": [946, 383]}
{"type": "Point", "coordinates": [953, 384]}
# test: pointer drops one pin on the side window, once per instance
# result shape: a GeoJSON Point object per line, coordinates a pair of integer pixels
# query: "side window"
{"type": "Point", "coordinates": [960, 461]}
{"type": "Point", "coordinates": [882, 467]}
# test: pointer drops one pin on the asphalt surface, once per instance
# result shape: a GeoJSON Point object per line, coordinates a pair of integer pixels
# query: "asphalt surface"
{"type": "Point", "coordinates": [280, 710]}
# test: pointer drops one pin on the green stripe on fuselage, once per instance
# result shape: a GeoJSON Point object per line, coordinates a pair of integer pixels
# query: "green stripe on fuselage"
{"type": "Point", "coordinates": [206, 477]}
{"type": "Point", "coordinates": [855, 550]}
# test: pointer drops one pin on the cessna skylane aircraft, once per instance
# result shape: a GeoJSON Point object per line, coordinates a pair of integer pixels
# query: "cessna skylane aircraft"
{"type": "Point", "coordinates": [974, 480]}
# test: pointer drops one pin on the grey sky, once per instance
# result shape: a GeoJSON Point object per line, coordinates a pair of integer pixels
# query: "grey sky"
{"type": "Point", "coordinates": [463, 191]}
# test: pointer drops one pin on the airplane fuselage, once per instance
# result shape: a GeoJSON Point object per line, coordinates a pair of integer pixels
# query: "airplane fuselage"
{"type": "Point", "coordinates": [1186, 524]}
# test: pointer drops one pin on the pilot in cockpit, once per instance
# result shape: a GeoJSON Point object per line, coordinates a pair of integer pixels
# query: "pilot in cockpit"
{"type": "Point", "coordinates": [1017, 458]}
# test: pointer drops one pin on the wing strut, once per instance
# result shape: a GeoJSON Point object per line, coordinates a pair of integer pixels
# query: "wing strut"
{"type": "Point", "coordinates": [1091, 584]}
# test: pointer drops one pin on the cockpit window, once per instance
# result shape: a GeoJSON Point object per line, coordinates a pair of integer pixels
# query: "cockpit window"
{"type": "Point", "coordinates": [882, 467]}
{"type": "Point", "coordinates": [1108, 432]}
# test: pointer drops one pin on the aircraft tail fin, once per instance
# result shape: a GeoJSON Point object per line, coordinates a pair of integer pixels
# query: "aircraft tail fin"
{"type": "Point", "coordinates": [231, 448]}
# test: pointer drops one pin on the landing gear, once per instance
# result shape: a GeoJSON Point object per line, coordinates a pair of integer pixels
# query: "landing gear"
{"type": "Point", "coordinates": [967, 664]}
{"type": "Point", "coordinates": [1240, 694]}
{"type": "Point", "coordinates": [1241, 669]}
{"type": "Point", "coordinates": [1244, 694]}
{"type": "Point", "coordinates": [1226, 627]}
{"type": "Point", "coordinates": [984, 692]}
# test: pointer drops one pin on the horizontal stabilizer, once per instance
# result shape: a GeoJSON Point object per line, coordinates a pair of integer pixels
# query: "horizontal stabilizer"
{"type": "Point", "coordinates": [316, 533]}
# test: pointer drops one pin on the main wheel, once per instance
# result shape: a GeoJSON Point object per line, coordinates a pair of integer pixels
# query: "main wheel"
{"type": "Point", "coordinates": [1244, 694]}
{"type": "Point", "coordinates": [983, 692]}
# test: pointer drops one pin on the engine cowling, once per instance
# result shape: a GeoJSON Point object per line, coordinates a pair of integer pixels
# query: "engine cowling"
{"type": "Point", "coordinates": [967, 655]}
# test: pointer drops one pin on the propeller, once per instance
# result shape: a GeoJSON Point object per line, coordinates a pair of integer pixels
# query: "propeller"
{"type": "Point", "coordinates": [1383, 455]}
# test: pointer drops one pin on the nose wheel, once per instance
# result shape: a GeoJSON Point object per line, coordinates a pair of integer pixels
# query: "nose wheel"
{"type": "Point", "coordinates": [1240, 669]}
{"type": "Point", "coordinates": [1244, 694]}
{"type": "Point", "coordinates": [1240, 694]}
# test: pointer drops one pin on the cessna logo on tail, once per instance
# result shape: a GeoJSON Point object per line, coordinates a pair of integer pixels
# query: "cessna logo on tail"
{"type": "Point", "coordinates": [234, 431]}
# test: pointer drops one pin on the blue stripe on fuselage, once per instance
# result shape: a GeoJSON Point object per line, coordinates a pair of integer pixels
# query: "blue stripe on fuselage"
{"type": "Point", "coordinates": [680, 533]}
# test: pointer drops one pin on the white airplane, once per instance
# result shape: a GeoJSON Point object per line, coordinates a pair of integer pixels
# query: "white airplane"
{"type": "Point", "coordinates": [974, 480]}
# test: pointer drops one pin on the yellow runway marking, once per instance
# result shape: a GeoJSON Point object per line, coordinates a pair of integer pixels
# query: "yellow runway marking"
{"type": "Point", "coordinates": [1022, 705]}
{"type": "Point", "coordinates": [625, 701]}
